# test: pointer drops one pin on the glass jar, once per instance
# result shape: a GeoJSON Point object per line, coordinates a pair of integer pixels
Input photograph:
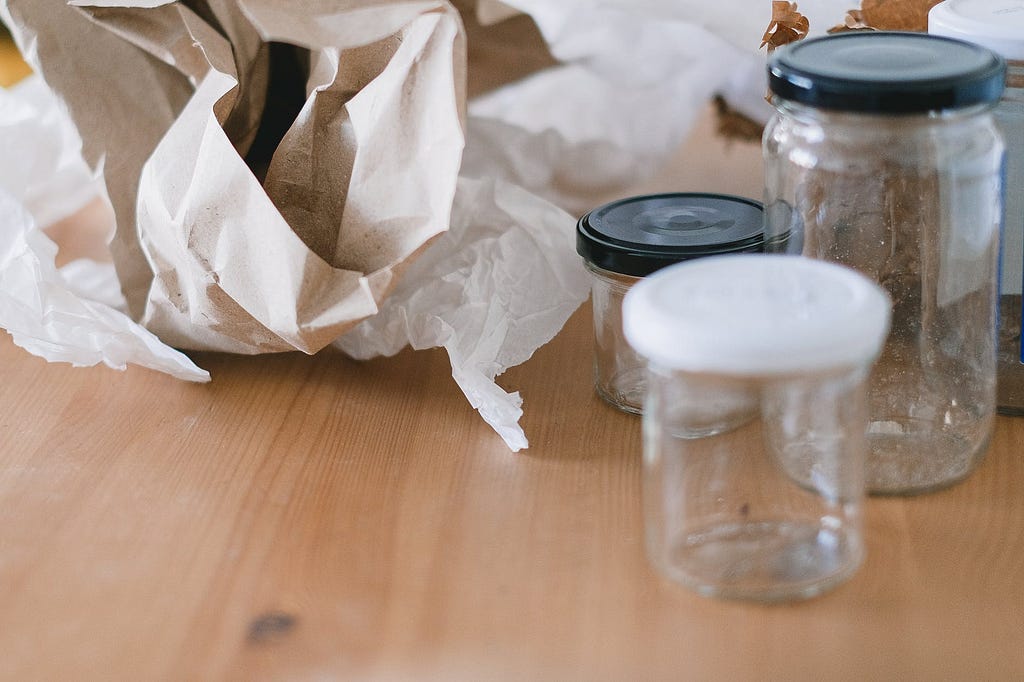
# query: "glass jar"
{"type": "Point", "coordinates": [626, 240]}
{"type": "Point", "coordinates": [754, 421]}
{"type": "Point", "coordinates": [883, 155]}
{"type": "Point", "coordinates": [999, 26]}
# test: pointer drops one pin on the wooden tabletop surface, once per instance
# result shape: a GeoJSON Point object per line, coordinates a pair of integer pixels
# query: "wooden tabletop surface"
{"type": "Point", "coordinates": [316, 518]}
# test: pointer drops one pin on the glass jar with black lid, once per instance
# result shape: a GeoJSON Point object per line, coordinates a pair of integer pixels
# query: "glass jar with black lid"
{"type": "Point", "coordinates": [624, 241]}
{"type": "Point", "coordinates": [883, 155]}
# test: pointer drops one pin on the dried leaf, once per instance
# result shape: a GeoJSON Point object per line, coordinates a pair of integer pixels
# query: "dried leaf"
{"type": "Point", "coordinates": [854, 21]}
{"type": "Point", "coordinates": [733, 125]}
{"type": "Point", "coordinates": [787, 25]}
{"type": "Point", "coordinates": [897, 15]}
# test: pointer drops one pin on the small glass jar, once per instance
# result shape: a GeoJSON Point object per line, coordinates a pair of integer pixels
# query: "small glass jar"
{"type": "Point", "coordinates": [626, 240]}
{"type": "Point", "coordinates": [883, 155]}
{"type": "Point", "coordinates": [999, 26]}
{"type": "Point", "coordinates": [754, 421]}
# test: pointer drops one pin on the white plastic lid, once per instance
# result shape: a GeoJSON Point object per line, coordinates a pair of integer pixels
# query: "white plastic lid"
{"type": "Point", "coordinates": [756, 315]}
{"type": "Point", "coordinates": [995, 24]}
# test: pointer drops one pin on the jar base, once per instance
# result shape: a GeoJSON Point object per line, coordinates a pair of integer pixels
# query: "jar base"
{"type": "Point", "coordinates": [909, 463]}
{"type": "Point", "coordinates": [624, 391]}
{"type": "Point", "coordinates": [767, 561]}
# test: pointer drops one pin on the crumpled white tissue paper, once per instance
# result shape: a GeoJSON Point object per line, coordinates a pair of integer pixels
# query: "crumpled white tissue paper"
{"type": "Point", "coordinates": [500, 283]}
{"type": "Point", "coordinates": [45, 316]}
{"type": "Point", "coordinates": [633, 77]}
{"type": "Point", "coordinates": [43, 311]}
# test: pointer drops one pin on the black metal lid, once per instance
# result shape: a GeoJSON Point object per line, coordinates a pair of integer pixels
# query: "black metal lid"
{"type": "Point", "coordinates": [639, 235]}
{"type": "Point", "coordinates": [893, 73]}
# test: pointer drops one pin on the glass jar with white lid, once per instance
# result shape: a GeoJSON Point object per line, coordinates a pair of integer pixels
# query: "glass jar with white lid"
{"type": "Point", "coordinates": [754, 421]}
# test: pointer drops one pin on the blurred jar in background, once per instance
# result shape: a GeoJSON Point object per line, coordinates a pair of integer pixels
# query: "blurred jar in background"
{"type": "Point", "coordinates": [999, 26]}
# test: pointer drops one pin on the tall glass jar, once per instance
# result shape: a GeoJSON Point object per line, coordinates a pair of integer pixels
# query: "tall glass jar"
{"type": "Point", "coordinates": [999, 26]}
{"type": "Point", "coordinates": [883, 155]}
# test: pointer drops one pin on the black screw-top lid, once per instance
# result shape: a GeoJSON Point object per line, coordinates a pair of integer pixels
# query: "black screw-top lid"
{"type": "Point", "coordinates": [639, 235]}
{"type": "Point", "coordinates": [891, 73]}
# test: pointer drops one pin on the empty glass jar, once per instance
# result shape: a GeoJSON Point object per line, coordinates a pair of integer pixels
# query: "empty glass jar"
{"type": "Point", "coordinates": [999, 26]}
{"type": "Point", "coordinates": [626, 240]}
{"type": "Point", "coordinates": [883, 155]}
{"type": "Point", "coordinates": [754, 421]}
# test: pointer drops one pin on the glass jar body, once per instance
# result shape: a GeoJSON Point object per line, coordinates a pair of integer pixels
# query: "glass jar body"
{"type": "Point", "coordinates": [753, 486]}
{"type": "Point", "coordinates": [1009, 116]}
{"type": "Point", "coordinates": [618, 371]}
{"type": "Point", "coordinates": [912, 201]}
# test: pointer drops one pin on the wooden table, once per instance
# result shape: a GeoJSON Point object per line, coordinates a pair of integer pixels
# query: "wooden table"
{"type": "Point", "coordinates": [315, 518]}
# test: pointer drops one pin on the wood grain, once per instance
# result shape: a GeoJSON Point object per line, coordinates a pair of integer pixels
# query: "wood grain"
{"type": "Point", "coordinates": [316, 518]}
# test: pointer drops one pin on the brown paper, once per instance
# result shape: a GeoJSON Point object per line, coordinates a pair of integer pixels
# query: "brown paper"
{"type": "Point", "coordinates": [278, 168]}
{"type": "Point", "coordinates": [351, 109]}
{"type": "Point", "coordinates": [505, 46]}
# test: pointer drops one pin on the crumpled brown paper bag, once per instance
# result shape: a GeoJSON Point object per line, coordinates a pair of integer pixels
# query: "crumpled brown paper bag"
{"type": "Point", "coordinates": [272, 166]}
{"type": "Point", "coordinates": [224, 245]}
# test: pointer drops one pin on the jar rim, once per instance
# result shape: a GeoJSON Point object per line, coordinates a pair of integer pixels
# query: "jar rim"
{"type": "Point", "coordinates": [639, 235]}
{"type": "Point", "coordinates": [754, 314]}
{"type": "Point", "coordinates": [936, 117]}
{"type": "Point", "coordinates": [886, 72]}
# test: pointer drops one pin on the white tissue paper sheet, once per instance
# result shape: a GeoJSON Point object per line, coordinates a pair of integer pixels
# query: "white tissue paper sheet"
{"type": "Point", "coordinates": [633, 77]}
{"type": "Point", "coordinates": [498, 285]}
{"type": "Point", "coordinates": [73, 320]}
{"type": "Point", "coordinates": [45, 316]}
{"type": "Point", "coordinates": [42, 164]}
